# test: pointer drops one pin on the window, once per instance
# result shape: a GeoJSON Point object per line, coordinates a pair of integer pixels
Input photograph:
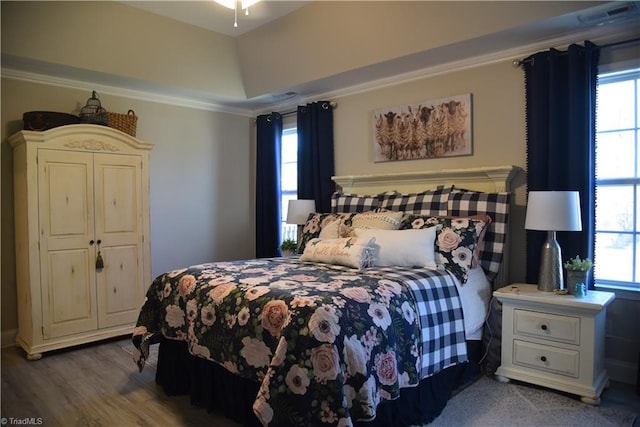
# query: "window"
{"type": "Point", "coordinates": [288, 180]}
{"type": "Point", "coordinates": [617, 251]}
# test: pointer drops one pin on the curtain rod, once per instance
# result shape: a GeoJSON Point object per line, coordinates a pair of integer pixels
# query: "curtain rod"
{"type": "Point", "coordinates": [333, 104]}
{"type": "Point", "coordinates": [636, 40]}
{"type": "Point", "coordinates": [518, 62]}
{"type": "Point", "coordinates": [288, 113]}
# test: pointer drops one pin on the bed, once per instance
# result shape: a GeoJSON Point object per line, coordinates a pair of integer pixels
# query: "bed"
{"type": "Point", "coordinates": [376, 321]}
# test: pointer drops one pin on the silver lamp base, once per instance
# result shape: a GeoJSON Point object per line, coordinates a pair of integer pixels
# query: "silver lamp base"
{"type": "Point", "coordinates": [550, 276]}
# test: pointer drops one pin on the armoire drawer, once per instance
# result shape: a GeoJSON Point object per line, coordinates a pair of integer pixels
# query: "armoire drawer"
{"type": "Point", "coordinates": [546, 358]}
{"type": "Point", "coordinates": [546, 326]}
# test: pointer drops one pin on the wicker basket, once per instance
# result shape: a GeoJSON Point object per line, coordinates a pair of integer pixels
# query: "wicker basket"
{"type": "Point", "coordinates": [124, 122]}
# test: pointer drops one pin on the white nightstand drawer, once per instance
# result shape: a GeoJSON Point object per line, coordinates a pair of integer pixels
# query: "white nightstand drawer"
{"type": "Point", "coordinates": [547, 326]}
{"type": "Point", "coordinates": [545, 358]}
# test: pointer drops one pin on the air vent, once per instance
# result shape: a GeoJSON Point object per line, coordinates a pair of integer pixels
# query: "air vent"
{"type": "Point", "coordinates": [612, 13]}
{"type": "Point", "coordinates": [283, 96]}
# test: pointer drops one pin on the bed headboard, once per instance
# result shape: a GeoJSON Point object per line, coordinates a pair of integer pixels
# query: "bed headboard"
{"type": "Point", "coordinates": [487, 179]}
{"type": "Point", "coordinates": [496, 179]}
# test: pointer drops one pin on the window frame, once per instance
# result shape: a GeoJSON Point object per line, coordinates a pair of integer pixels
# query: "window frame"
{"type": "Point", "coordinates": [630, 288]}
{"type": "Point", "coordinates": [286, 230]}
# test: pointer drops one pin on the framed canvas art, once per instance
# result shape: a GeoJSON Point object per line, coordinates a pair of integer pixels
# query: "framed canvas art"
{"type": "Point", "coordinates": [430, 129]}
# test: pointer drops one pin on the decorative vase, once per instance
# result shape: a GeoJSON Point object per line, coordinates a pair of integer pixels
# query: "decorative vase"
{"type": "Point", "coordinates": [576, 276]}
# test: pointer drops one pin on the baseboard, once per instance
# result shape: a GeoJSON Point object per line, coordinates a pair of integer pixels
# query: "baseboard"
{"type": "Point", "coordinates": [620, 371]}
{"type": "Point", "coordinates": [8, 338]}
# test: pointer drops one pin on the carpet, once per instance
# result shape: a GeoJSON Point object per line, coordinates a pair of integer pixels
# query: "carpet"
{"type": "Point", "coordinates": [489, 403]}
{"type": "Point", "coordinates": [152, 361]}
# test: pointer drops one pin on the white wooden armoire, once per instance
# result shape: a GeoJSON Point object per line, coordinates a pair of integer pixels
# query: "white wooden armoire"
{"type": "Point", "coordinates": [81, 194]}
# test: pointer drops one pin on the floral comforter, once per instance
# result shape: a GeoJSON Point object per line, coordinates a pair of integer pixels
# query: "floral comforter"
{"type": "Point", "coordinates": [325, 342]}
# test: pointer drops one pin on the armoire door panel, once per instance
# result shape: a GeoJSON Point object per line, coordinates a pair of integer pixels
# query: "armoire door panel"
{"type": "Point", "coordinates": [118, 187]}
{"type": "Point", "coordinates": [69, 199]}
{"type": "Point", "coordinates": [119, 286]}
{"type": "Point", "coordinates": [66, 194]}
{"type": "Point", "coordinates": [66, 215]}
{"type": "Point", "coordinates": [119, 225]}
{"type": "Point", "coordinates": [71, 293]}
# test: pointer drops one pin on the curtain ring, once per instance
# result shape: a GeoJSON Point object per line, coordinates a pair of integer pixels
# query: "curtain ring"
{"type": "Point", "coordinates": [326, 105]}
{"type": "Point", "coordinates": [269, 118]}
{"type": "Point", "coordinates": [520, 62]}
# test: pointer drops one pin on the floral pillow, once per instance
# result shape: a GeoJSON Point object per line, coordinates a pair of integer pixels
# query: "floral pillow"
{"type": "Point", "coordinates": [325, 225]}
{"type": "Point", "coordinates": [349, 251]}
{"type": "Point", "coordinates": [458, 240]}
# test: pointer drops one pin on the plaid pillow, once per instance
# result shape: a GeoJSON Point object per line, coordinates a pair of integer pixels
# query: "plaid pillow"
{"type": "Point", "coordinates": [496, 205]}
{"type": "Point", "coordinates": [430, 202]}
{"type": "Point", "coordinates": [343, 202]}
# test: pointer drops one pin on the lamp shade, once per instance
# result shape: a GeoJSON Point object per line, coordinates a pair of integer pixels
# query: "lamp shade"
{"type": "Point", "coordinates": [298, 211]}
{"type": "Point", "coordinates": [553, 211]}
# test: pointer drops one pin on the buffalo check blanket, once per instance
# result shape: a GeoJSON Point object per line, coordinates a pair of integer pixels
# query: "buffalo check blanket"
{"type": "Point", "coordinates": [326, 343]}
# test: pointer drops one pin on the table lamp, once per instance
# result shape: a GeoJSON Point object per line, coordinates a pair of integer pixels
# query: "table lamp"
{"type": "Point", "coordinates": [297, 213]}
{"type": "Point", "coordinates": [552, 211]}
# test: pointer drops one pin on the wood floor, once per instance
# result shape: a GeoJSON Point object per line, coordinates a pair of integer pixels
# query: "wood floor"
{"type": "Point", "coordinates": [97, 385]}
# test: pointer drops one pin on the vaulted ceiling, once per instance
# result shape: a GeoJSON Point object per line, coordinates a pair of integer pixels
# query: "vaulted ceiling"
{"type": "Point", "coordinates": [285, 52]}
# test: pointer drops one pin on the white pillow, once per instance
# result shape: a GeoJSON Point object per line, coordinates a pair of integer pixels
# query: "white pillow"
{"type": "Point", "coordinates": [474, 297]}
{"type": "Point", "coordinates": [350, 251]}
{"type": "Point", "coordinates": [403, 248]}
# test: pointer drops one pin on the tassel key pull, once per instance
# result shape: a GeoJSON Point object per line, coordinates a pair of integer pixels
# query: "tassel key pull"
{"type": "Point", "coordinates": [99, 260]}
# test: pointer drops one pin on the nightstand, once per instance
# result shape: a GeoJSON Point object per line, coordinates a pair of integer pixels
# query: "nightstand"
{"type": "Point", "coordinates": [555, 341]}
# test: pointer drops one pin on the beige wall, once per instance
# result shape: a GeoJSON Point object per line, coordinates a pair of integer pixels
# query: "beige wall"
{"type": "Point", "coordinates": [498, 131]}
{"type": "Point", "coordinates": [200, 179]}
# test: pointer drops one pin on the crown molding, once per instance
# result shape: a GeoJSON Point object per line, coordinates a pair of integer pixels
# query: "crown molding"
{"type": "Point", "coordinates": [142, 95]}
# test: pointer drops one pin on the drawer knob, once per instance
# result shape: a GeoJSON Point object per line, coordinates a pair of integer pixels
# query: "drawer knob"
{"type": "Point", "coordinates": [543, 327]}
{"type": "Point", "coordinates": [543, 358]}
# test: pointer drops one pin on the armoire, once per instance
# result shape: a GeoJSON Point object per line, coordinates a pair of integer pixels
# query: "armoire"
{"type": "Point", "coordinates": [81, 203]}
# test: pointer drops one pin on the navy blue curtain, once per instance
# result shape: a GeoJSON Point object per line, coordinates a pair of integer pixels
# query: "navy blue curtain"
{"type": "Point", "coordinates": [268, 216]}
{"type": "Point", "coordinates": [315, 153]}
{"type": "Point", "coordinates": [560, 107]}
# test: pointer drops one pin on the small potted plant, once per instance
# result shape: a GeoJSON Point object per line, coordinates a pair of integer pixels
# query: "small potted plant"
{"type": "Point", "coordinates": [577, 272]}
{"type": "Point", "coordinates": [288, 247]}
